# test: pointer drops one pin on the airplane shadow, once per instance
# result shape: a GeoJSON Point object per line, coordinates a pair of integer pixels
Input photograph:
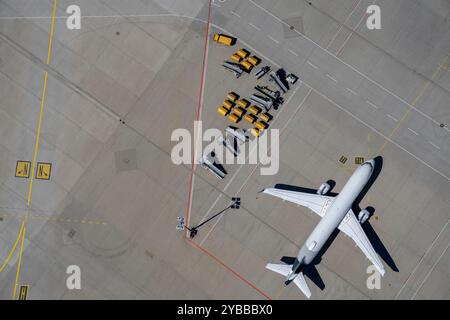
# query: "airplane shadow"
{"type": "Point", "coordinates": [311, 271]}
{"type": "Point", "coordinates": [367, 227]}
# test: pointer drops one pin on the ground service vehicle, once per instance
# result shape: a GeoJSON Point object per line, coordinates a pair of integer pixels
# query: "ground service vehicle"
{"type": "Point", "coordinates": [247, 65]}
{"type": "Point", "coordinates": [254, 110]}
{"type": "Point", "coordinates": [239, 111]}
{"type": "Point", "coordinates": [236, 58]}
{"type": "Point", "coordinates": [222, 111]}
{"type": "Point", "coordinates": [261, 125]}
{"type": "Point", "coordinates": [233, 118]}
{"type": "Point", "coordinates": [250, 118]}
{"type": "Point", "coordinates": [254, 60]}
{"type": "Point", "coordinates": [266, 117]}
{"type": "Point", "coordinates": [224, 39]}
{"type": "Point", "coordinates": [255, 132]}
{"type": "Point", "coordinates": [243, 53]}
{"type": "Point", "coordinates": [243, 103]}
{"type": "Point", "coordinates": [232, 96]}
{"type": "Point", "coordinates": [228, 104]}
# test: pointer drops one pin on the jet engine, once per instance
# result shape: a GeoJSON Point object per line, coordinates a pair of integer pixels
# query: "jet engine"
{"type": "Point", "coordinates": [363, 216]}
{"type": "Point", "coordinates": [323, 189]}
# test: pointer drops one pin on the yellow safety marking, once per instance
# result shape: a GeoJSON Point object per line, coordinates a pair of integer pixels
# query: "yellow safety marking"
{"type": "Point", "coordinates": [343, 159]}
{"type": "Point", "coordinates": [43, 171]}
{"type": "Point", "coordinates": [22, 169]}
{"type": "Point", "coordinates": [359, 160]}
{"type": "Point", "coordinates": [23, 292]}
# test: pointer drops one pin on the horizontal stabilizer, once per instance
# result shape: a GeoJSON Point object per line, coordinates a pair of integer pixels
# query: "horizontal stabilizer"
{"type": "Point", "coordinates": [279, 268]}
{"type": "Point", "coordinates": [301, 284]}
{"type": "Point", "coordinates": [285, 270]}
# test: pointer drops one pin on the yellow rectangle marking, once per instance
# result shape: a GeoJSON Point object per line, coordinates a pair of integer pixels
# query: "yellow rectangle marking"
{"type": "Point", "coordinates": [43, 171]}
{"type": "Point", "coordinates": [23, 292]}
{"type": "Point", "coordinates": [23, 169]}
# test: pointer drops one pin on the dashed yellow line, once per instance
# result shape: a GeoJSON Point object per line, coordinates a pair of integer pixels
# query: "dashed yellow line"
{"type": "Point", "coordinates": [405, 115]}
{"type": "Point", "coordinates": [44, 218]}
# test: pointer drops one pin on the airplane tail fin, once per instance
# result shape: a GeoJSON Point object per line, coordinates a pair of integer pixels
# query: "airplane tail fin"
{"type": "Point", "coordinates": [285, 270]}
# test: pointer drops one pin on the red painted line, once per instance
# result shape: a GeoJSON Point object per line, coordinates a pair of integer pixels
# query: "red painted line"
{"type": "Point", "coordinates": [186, 237]}
{"type": "Point", "coordinates": [198, 113]}
{"type": "Point", "coordinates": [228, 268]}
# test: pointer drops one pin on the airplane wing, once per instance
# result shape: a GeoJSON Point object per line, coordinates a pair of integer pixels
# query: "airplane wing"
{"type": "Point", "coordinates": [317, 203]}
{"type": "Point", "coordinates": [351, 227]}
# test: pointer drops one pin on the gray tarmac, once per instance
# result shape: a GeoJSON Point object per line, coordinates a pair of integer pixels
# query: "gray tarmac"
{"type": "Point", "coordinates": [117, 89]}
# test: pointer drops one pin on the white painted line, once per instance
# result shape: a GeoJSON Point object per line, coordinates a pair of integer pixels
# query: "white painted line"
{"type": "Point", "coordinates": [348, 65]}
{"type": "Point", "coordinates": [340, 28]}
{"type": "Point", "coordinates": [351, 91]}
{"type": "Point", "coordinates": [393, 118]}
{"type": "Point", "coordinates": [330, 77]}
{"type": "Point", "coordinates": [293, 52]}
{"type": "Point", "coordinates": [378, 132]}
{"type": "Point", "coordinates": [413, 131]}
{"type": "Point", "coordinates": [429, 272]}
{"type": "Point", "coordinates": [371, 104]}
{"type": "Point", "coordinates": [312, 65]}
{"type": "Point", "coordinates": [252, 25]}
{"type": "Point", "coordinates": [234, 13]}
{"type": "Point", "coordinates": [215, 4]}
{"type": "Point", "coordinates": [437, 147]}
{"type": "Point", "coordinates": [273, 39]}
{"type": "Point", "coordinates": [421, 259]}
{"type": "Point", "coordinates": [352, 32]}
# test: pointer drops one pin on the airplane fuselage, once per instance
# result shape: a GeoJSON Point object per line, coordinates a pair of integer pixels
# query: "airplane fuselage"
{"type": "Point", "coordinates": [332, 217]}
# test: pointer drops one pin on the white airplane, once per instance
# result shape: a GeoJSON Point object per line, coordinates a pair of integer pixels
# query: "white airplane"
{"type": "Point", "coordinates": [336, 212]}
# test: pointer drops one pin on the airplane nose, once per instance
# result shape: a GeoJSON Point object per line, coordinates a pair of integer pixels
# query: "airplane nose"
{"type": "Point", "coordinates": [371, 162]}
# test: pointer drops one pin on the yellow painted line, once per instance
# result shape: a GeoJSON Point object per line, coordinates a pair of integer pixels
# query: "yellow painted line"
{"type": "Point", "coordinates": [36, 146]}
{"type": "Point", "coordinates": [41, 110]}
{"type": "Point", "coordinates": [19, 263]}
{"type": "Point", "coordinates": [405, 115]}
{"type": "Point", "coordinates": [13, 248]}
